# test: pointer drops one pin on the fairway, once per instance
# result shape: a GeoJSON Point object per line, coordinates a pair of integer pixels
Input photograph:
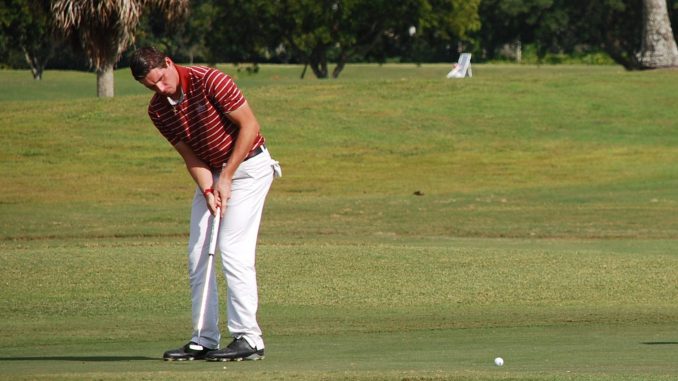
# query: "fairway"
{"type": "Point", "coordinates": [423, 227]}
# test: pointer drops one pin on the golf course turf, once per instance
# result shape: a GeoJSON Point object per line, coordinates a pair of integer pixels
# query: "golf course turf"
{"type": "Point", "coordinates": [422, 227]}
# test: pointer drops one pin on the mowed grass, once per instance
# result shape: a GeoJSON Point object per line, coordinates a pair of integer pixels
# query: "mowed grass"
{"type": "Point", "coordinates": [422, 227]}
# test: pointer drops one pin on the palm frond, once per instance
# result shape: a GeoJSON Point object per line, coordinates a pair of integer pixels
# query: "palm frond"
{"type": "Point", "coordinates": [105, 28]}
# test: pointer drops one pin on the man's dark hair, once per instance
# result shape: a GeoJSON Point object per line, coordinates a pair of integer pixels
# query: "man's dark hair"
{"type": "Point", "coordinates": [144, 60]}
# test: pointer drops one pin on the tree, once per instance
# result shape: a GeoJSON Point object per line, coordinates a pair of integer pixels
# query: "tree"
{"type": "Point", "coordinates": [351, 29]}
{"type": "Point", "coordinates": [242, 31]}
{"type": "Point", "coordinates": [183, 41]}
{"type": "Point", "coordinates": [104, 29]}
{"type": "Point", "coordinates": [317, 32]}
{"type": "Point", "coordinates": [26, 25]}
{"type": "Point", "coordinates": [514, 23]}
{"type": "Point", "coordinates": [658, 48]}
{"type": "Point", "coordinates": [613, 26]}
{"type": "Point", "coordinates": [634, 33]}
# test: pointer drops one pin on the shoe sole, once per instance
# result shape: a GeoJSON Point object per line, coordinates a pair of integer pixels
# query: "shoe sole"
{"type": "Point", "coordinates": [252, 357]}
{"type": "Point", "coordinates": [183, 359]}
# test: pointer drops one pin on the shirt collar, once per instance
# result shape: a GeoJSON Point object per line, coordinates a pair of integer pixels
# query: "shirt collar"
{"type": "Point", "coordinates": [183, 82]}
{"type": "Point", "coordinates": [181, 98]}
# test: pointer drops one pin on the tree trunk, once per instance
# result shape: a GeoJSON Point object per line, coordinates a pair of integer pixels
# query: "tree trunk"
{"type": "Point", "coordinates": [318, 71]}
{"type": "Point", "coordinates": [337, 69]}
{"type": "Point", "coordinates": [341, 63]}
{"type": "Point", "coordinates": [36, 67]}
{"type": "Point", "coordinates": [318, 63]}
{"type": "Point", "coordinates": [105, 84]}
{"type": "Point", "coordinates": [303, 72]}
{"type": "Point", "coordinates": [658, 48]}
{"type": "Point", "coordinates": [36, 63]}
{"type": "Point", "coordinates": [518, 50]}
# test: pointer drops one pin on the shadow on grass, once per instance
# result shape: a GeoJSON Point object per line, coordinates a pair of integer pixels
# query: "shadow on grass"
{"type": "Point", "coordinates": [79, 358]}
{"type": "Point", "coordinates": [661, 343]}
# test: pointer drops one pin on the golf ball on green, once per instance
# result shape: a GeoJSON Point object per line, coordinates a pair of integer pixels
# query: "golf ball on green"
{"type": "Point", "coordinates": [499, 361]}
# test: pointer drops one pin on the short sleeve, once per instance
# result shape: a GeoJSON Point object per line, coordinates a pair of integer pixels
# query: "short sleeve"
{"type": "Point", "coordinates": [223, 91]}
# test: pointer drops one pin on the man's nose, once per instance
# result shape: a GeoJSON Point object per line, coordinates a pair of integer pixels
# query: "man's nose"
{"type": "Point", "coordinates": [160, 87]}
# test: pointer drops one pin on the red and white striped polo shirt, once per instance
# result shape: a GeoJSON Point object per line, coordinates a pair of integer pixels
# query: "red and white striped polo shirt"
{"type": "Point", "coordinates": [201, 120]}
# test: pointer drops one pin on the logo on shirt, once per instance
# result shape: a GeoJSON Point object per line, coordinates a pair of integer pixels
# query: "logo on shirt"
{"type": "Point", "coordinates": [201, 108]}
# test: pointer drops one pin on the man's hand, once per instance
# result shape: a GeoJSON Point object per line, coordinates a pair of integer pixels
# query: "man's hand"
{"type": "Point", "coordinates": [222, 192]}
{"type": "Point", "coordinates": [211, 201]}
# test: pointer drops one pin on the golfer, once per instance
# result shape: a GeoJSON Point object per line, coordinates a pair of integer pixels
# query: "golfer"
{"type": "Point", "coordinates": [203, 114]}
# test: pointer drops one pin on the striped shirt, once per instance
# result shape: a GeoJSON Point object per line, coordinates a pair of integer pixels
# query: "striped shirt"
{"type": "Point", "coordinates": [201, 119]}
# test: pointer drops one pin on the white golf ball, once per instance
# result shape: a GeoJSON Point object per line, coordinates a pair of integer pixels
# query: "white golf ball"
{"type": "Point", "coordinates": [499, 361]}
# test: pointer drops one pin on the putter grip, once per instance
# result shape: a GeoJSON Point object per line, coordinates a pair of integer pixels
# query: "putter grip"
{"type": "Point", "coordinates": [215, 231]}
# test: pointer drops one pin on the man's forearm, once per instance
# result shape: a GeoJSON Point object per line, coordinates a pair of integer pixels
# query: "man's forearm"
{"type": "Point", "coordinates": [242, 147]}
{"type": "Point", "coordinates": [198, 169]}
{"type": "Point", "coordinates": [248, 130]}
{"type": "Point", "coordinates": [202, 176]}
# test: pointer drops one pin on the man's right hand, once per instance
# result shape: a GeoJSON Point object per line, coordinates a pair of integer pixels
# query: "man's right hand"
{"type": "Point", "coordinates": [211, 201]}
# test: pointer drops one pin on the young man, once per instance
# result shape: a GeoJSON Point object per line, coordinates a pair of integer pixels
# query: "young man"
{"type": "Point", "coordinates": [203, 114]}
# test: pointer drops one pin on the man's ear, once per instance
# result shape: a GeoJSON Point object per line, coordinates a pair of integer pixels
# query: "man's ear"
{"type": "Point", "coordinates": [168, 62]}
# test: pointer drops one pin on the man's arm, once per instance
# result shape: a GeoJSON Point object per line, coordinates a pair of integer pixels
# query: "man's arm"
{"type": "Point", "coordinates": [200, 171]}
{"type": "Point", "coordinates": [248, 129]}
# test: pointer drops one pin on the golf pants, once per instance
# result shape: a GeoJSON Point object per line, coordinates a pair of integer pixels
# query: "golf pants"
{"type": "Point", "coordinates": [236, 247]}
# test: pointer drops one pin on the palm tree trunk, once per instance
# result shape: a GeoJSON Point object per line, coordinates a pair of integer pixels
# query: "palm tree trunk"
{"type": "Point", "coordinates": [105, 85]}
{"type": "Point", "coordinates": [658, 48]}
{"type": "Point", "coordinates": [37, 66]}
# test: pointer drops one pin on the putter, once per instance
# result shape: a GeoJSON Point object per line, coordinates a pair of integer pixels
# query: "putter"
{"type": "Point", "coordinates": [210, 257]}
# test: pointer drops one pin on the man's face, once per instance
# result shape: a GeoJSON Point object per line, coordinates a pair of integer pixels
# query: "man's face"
{"type": "Point", "coordinates": [163, 80]}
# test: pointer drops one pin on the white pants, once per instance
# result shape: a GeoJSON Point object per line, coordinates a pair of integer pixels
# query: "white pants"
{"type": "Point", "coordinates": [236, 244]}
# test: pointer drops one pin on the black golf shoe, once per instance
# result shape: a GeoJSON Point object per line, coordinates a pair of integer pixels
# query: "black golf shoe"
{"type": "Point", "coordinates": [190, 351]}
{"type": "Point", "coordinates": [237, 350]}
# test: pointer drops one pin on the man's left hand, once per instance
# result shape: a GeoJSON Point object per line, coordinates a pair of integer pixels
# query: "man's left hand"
{"type": "Point", "coordinates": [223, 193]}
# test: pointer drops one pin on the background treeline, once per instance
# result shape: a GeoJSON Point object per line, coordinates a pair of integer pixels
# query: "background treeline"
{"type": "Point", "coordinates": [318, 32]}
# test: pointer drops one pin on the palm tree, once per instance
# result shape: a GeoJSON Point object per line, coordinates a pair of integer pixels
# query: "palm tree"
{"type": "Point", "coordinates": [658, 45]}
{"type": "Point", "coordinates": [106, 28]}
